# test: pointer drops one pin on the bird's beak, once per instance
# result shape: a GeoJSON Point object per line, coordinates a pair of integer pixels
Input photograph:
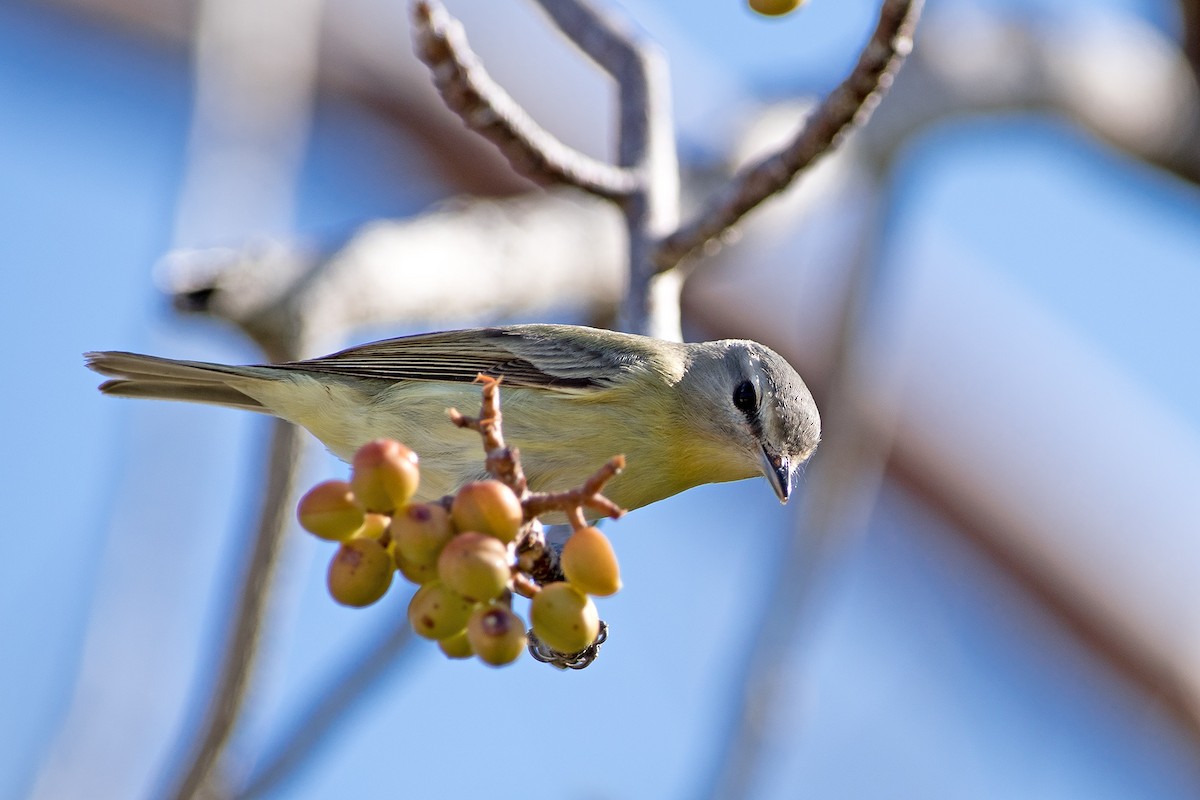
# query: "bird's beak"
{"type": "Point", "coordinates": [778, 470]}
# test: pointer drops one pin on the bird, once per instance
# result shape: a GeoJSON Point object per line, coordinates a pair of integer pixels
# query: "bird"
{"type": "Point", "coordinates": [573, 396]}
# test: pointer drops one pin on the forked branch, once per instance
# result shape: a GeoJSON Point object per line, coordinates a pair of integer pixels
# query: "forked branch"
{"type": "Point", "coordinates": [487, 108]}
{"type": "Point", "coordinates": [847, 107]}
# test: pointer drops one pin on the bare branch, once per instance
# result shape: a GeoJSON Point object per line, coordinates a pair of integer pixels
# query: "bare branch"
{"type": "Point", "coordinates": [848, 106]}
{"type": "Point", "coordinates": [483, 104]}
{"type": "Point", "coordinates": [503, 462]}
{"type": "Point", "coordinates": [574, 501]}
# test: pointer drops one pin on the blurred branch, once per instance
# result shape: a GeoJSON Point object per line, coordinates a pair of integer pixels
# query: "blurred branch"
{"type": "Point", "coordinates": [329, 707]}
{"type": "Point", "coordinates": [486, 108]}
{"type": "Point", "coordinates": [844, 480]}
{"type": "Point", "coordinates": [646, 180]}
{"type": "Point", "coordinates": [469, 259]}
{"type": "Point", "coordinates": [250, 118]}
{"type": "Point", "coordinates": [241, 650]}
{"type": "Point", "coordinates": [646, 145]}
{"type": "Point", "coordinates": [848, 106]}
{"type": "Point", "coordinates": [1112, 74]}
{"type": "Point", "coordinates": [355, 67]}
{"type": "Point", "coordinates": [1189, 11]}
{"type": "Point", "coordinates": [255, 68]}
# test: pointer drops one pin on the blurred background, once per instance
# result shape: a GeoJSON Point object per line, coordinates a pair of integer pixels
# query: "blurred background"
{"type": "Point", "coordinates": [1006, 566]}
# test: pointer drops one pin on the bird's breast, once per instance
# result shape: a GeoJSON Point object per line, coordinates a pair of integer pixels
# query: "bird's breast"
{"type": "Point", "coordinates": [562, 437]}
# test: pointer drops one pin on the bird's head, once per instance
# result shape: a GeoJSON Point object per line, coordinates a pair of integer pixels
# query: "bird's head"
{"type": "Point", "coordinates": [752, 410]}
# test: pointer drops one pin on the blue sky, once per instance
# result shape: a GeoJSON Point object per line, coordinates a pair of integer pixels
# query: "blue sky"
{"type": "Point", "coordinates": [918, 678]}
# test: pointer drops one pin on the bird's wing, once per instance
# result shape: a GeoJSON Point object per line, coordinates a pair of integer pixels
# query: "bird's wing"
{"type": "Point", "coordinates": [539, 356]}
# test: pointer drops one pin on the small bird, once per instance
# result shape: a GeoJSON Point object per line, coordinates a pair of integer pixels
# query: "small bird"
{"type": "Point", "coordinates": [682, 414]}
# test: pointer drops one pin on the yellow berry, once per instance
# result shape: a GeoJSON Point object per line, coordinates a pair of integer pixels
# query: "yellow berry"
{"type": "Point", "coordinates": [488, 507]}
{"type": "Point", "coordinates": [590, 564]}
{"type": "Point", "coordinates": [373, 527]}
{"type": "Point", "coordinates": [475, 566]}
{"type": "Point", "coordinates": [360, 572]}
{"type": "Point", "coordinates": [384, 475]}
{"type": "Point", "coordinates": [417, 573]}
{"type": "Point", "coordinates": [496, 634]}
{"type": "Point", "coordinates": [457, 646]}
{"type": "Point", "coordinates": [420, 531]}
{"type": "Point", "coordinates": [330, 511]}
{"type": "Point", "coordinates": [564, 617]}
{"type": "Point", "coordinates": [437, 612]}
{"type": "Point", "coordinates": [775, 8]}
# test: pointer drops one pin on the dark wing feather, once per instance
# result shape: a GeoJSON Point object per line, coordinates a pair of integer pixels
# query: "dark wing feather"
{"type": "Point", "coordinates": [527, 355]}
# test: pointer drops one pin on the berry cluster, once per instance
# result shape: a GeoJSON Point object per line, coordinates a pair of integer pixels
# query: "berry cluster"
{"type": "Point", "coordinates": [468, 553]}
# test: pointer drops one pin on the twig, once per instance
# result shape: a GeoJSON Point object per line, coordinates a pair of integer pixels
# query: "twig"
{"type": "Point", "coordinates": [848, 106]}
{"type": "Point", "coordinates": [330, 707]}
{"type": "Point", "coordinates": [485, 107]}
{"type": "Point", "coordinates": [574, 501]}
{"type": "Point", "coordinates": [524, 585]}
{"type": "Point", "coordinates": [502, 461]}
{"type": "Point", "coordinates": [241, 650]}
{"type": "Point", "coordinates": [535, 558]}
{"type": "Point", "coordinates": [538, 563]}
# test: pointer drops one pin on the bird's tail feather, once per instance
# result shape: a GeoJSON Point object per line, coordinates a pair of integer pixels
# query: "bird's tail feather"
{"type": "Point", "coordinates": [137, 375]}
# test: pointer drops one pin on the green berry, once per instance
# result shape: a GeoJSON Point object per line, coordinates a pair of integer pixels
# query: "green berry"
{"type": "Point", "coordinates": [488, 507]}
{"type": "Point", "coordinates": [564, 617]}
{"type": "Point", "coordinates": [475, 566]}
{"type": "Point", "coordinates": [420, 531]}
{"type": "Point", "coordinates": [590, 564]}
{"type": "Point", "coordinates": [457, 646]}
{"type": "Point", "coordinates": [329, 510]}
{"type": "Point", "coordinates": [360, 572]}
{"type": "Point", "coordinates": [437, 612]}
{"type": "Point", "coordinates": [373, 527]}
{"type": "Point", "coordinates": [417, 573]}
{"type": "Point", "coordinates": [496, 634]}
{"type": "Point", "coordinates": [384, 475]}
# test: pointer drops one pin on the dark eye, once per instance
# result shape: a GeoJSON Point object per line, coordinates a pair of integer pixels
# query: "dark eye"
{"type": "Point", "coordinates": [744, 398]}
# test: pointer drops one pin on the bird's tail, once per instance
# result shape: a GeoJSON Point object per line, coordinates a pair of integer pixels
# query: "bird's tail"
{"type": "Point", "coordinates": [135, 375]}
